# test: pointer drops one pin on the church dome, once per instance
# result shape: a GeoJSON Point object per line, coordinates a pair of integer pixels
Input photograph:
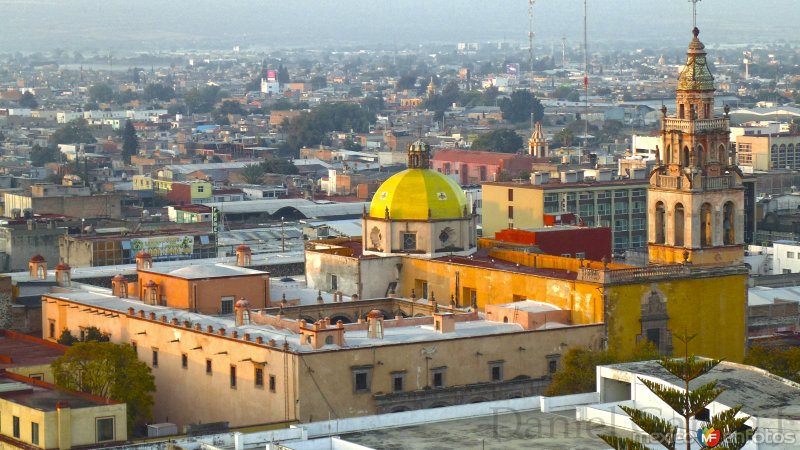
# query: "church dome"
{"type": "Point", "coordinates": [695, 75]}
{"type": "Point", "coordinates": [418, 194]}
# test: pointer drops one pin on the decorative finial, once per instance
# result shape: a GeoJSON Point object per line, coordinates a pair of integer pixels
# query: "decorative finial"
{"type": "Point", "coordinates": [727, 110]}
{"type": "Point", "coordinates": [695, 31]}
{"type": "Point", "coordinates": [664, 110]}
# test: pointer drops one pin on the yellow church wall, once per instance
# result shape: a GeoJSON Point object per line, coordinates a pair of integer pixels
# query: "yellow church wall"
{"type": "Point", "coordinates": [492, 286]}
{"type": "Point", "coordinates": [714, 308]}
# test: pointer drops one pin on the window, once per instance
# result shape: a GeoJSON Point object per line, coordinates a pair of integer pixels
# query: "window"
{"type": "Point", "coordinates": [437, 375]}
{"type": "Point", "coordinates": [52, 329]}
{"type": "Point", "coordinates": [105, 429]}
{"type": "Point", "coordinates": [259, 377]}
{"type": "Point", "coordinates": [155, 357]}
{"type": "Point", "coordinates": [201, 188]}
{"type": "Point", "coordinates": [34, 433]}
{"type": "Point", "coordinates": [511, 195]}
{"type": "Point", "coordinates": [398, 381]}
{"type": "Point", "coordinates": [787, 270]}
{"type": "Point", "coordinates": [208, 366]}
{"type": "Point", "coordinates": [621, 194]}
{"type": "Point", "coordinates": [334, 282]}
{"type": "Point", "coordinates": [36, 376]}
{"type": "Point", "coordinates": [135, 348]}
{"type": "Point", "coordinates": [496, 370]}
{"type": "Point", "coordinates": [552, 363]}
{"type": "Point", "coordinates": [510, 212]}
{"type": "Point", "coordinates": [226, 305]}
{"type": "Point", "coordinates": [580, 255]}
{"type": "Point", "coordinates": [233, 377]}
{"type": "Point", "coordinates": [15, 424]}
{"type": "Point", "coordinates": [790, 255]}
{"type": "Point", "coordinates": [409, 241]}
{"type": "Point", "coordinates": [184, 360]}
{"type": "Point", "coordinates": [362, 379]}
{"type": "Point", "coordinates": [272, 383]}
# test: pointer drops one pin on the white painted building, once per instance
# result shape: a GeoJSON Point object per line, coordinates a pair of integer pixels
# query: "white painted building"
{"type": "Point", "coordinates": [786, 257]}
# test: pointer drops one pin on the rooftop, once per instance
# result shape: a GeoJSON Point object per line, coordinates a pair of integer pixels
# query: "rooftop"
{"type": "Point", "coordinates": [556, 184]}
{"type": "Point", "coordinates": [763, 394]}
{"type": "Point", "coordinates": [204, 271]}
{"type": "Point", "coordinates": [43, 396]}
{"type": "Point", "coordinates": [19, 350]}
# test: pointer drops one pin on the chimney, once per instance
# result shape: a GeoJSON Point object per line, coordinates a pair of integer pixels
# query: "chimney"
{"type": "Point", "coordinates": [63, 274]}
{"type": "Point", "coordinates": [242, 312]}
{"type": "Point", "coordinates": [444, 322]}
{"type": "Point", "coordinates": [144, 260]}
{"type": "Point", "coordinates": [375, 324]}
{"type": "Point", "coordinates": [244, 256]}
{"type": "Point", "coordinates": [37, 267]}
{"type": "Point", "coordinates": [119, 286]}
{"type": "Point", "coordinates": [64, 418]}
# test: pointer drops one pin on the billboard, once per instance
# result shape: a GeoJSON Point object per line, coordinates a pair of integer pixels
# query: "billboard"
{"type": "Point", "coordinates": [272, 75]}
{"type": "Point", "coordinates": [512, 69]}
{"type": "Point", "coordinates": [164, 247]}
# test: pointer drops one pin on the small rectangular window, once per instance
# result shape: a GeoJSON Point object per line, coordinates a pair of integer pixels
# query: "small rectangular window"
{"type": "Point", "coordinates": [15, 424]}
{"type": "Point", "coordinates": [208, 366]}
{"type": "Point", "coordinates": [362, 379]}
{"type": "Point", "coordinates": [34, 433]}
{"type": "Point", "coordinates": [272, 383]}
{"type": "Point", "coordinates": [438, 379]}
{"type": "Point", "coordinates": [552, 363]}
{"type": "Point", "coordinates": [184, 360]}
{"type": "Point", "coordinates": [510, 212]}
{"type": "Point", "coordinates": [105, 429]}
{"type": "Point", "coordinates": [52, 328]}
{"type": "Point", "coordinates": [511, 195]}
{"type": "Point", "coordinates": [496, 370]}
{"type": "Point", "coordinates": [155, 357]}
{"type": "Point", "coordinates": [790, 255]}
{"type": "Point", "coordinates": [135, 348]}
{"type": "Point", "coordinates": [259, 376]}
{"type": "Point", "coordinates": [233, 377]}
{"type": "Point", "coordinates": [226, 306]}
{"type": "Point", "coordinates": [398, 381]}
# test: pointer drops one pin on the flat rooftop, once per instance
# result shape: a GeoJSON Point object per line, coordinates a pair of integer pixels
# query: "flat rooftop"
{"type": "Point", "coordinates": [43, 398]}
{"type": "Point", "coordinates": [508, 430]}
{"type": "Point", "coordinates": [26, 351]}
{"type": "Point", "coordinates": [763, 394]}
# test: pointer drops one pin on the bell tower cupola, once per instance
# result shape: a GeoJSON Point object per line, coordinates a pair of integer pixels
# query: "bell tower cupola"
{"type": "Point", "coordinates": [695, 199]}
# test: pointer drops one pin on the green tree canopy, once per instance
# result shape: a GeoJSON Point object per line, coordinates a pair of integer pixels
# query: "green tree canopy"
{"type": "Point", "coordinates": [519, 106]}
{"type": "Point", "coordinates": [28, 100]}
{"type": "Point", "coordinates": [40, 156]}
{"type": "Point", "coordinates": [784, 362]}
{"type": "Point", "coordinates": [130, 142]}
{"type": "Point", "coordinates": [577, 373]}
{"type": "Point", "coordinates": [101, 93]}
{"type": "Point", "coordinates": [280, 166]}
{"type": "Point", "coordinates": [202, 100]}
{"type": "Point", "coordinates": [73, 132]}
{"type": "Point", "coordinates": [111, 371]}
{"type": "Point", "coordinates": [310, 128]}
{"type": "Point", "coordinates": [157, 91]}
{"type": "Point", "coordinates": [501, 140]}
{"type": "Point", "coordinates": [253, 173]}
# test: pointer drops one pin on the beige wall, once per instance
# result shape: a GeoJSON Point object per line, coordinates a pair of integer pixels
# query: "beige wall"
{"type": "Point", "coordinates": [311, 385]}
{"type": "Point", "coordinates": [528, 206]}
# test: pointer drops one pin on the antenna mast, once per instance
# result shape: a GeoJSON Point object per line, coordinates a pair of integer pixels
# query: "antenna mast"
{"type": "Point", "coordinates": [585, 79]}
{"type": "Point", "coordinates": [694, 12]}
{"type": "Point", "coordinates": [530, 33]}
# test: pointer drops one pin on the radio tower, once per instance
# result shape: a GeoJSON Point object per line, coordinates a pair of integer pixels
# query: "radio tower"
{"type": "Point", "coordinates": [585, 80]}
{"type": "Point", "coordinates": [530, 33]}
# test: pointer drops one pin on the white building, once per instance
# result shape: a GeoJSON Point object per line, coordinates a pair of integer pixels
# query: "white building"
{"type": "Point", "coordinates": [786, 257]}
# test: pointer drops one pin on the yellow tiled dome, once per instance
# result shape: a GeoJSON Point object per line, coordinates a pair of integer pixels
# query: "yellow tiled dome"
{"type": "Point", "coordinates": [412, 193]}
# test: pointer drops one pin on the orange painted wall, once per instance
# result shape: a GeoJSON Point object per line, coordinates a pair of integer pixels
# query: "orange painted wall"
{"type": "Point", "coordinates": [180, 292]}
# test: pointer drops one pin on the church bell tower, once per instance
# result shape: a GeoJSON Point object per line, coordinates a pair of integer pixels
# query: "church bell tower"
{"type": "Point", "coordinates": [695, 199]}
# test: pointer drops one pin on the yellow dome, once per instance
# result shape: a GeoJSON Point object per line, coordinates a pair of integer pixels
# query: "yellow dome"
{"type": "Point", "coordinates": [410, 194]}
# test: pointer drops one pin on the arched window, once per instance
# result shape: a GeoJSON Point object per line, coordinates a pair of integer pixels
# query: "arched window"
{"type": "Point", "coordinates": [685, 161]}
{"type": "Point", "coordinates": [679, 225]}
{"type": "Point", "coordinates": [667, 157]}
{"type": "Point", "coordinates": [660, 223]}
{"type": "Point", "coordinates": [722, 155]}
{"type": "Point", "coordinates": [681, 112]}
{"type": "Point", "coordinates": [728, 224]}
{"type": "Point", "coordinates": [791, 157]}
{"type": "Point", "coordinates": [705, 226]}
{"type": "Point", "coordinates": [700, 156]}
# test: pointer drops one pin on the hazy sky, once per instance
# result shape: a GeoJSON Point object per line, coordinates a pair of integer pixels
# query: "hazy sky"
{"type": "Point", "coordinates": [151, 24]}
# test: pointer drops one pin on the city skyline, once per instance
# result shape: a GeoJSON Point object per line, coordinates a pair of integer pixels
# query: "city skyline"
{"type": "Point", "coordinates": [148, 25]}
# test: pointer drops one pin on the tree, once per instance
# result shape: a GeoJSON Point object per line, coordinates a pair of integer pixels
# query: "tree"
{"type": "Point", "coordinates": [578, 371]}
{"type": "Point", "coordinates": [688, 403]}
{"type": "Point", "coordinates": [564, 137]}
{"type": "Point", "coordinates": [500, 140]}
{"type": "Point", "coordinates": [406, 82]}
{"type": "Point", "coordinates": [130, 142]}
{"type": "Point", "coordinates": [73, 132]}
{"type": "Point", "coordinates": [157, 91]}
{"type": "Point", "coordinates": [519, 107]}
{"type": "Point", "coordinates": [28, 100]}
{"type": "Point", "coordinates": [93, 334]}
{"type": "Point", "coordinates": [781, 362]}
{"type": "Point", "coordinates": [310, 128]}
{"type": "Point", "coordinates": [280, 166]}
{"type": "Point", "coordinates": [253, 173]}
{"type": "Point", "coordinates": [111, 371]}
{"type": "Point", "coordinates": [202, 100]}
{"type": "Point", "coordinates": [283, 74]}
{"type": "Point", "coordinates": [40, 156]}
{"type": "Point", "coordinates": [318, 82]}
{"type": "Point", "coordinates": [67, 338]}
{"type": "Point", "coordinates": [100, 93]}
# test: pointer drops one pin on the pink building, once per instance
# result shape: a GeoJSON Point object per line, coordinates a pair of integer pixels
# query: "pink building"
{"type": "Point", "coordinates": [473, 167]}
